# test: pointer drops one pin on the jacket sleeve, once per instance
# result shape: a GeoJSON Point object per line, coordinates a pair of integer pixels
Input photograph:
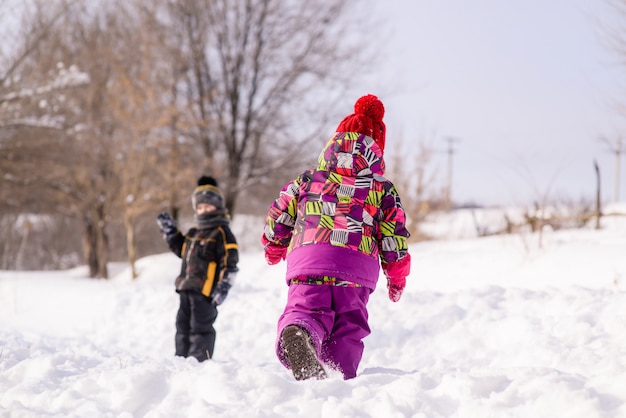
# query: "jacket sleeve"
{"type": "Point", "coordinates": [281, 216]}
{"type": "Point", "coordinates": [176, 243]}
{"type": "Point", "coordinates": [393, 235]}
{"type": "Point", "coordinates": [231, 253]}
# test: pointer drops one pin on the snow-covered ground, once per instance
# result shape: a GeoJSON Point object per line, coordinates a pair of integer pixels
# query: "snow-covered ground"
{"type": "Point", "coordinates": [487, 327]}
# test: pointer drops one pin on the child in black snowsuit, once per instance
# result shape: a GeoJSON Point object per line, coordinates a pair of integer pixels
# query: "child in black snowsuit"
{"type": "Point", "coordinates": [209, 256]}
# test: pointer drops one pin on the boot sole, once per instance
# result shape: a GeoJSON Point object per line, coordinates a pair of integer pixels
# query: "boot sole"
{"type": "Point", "coordinates": [301, 355]}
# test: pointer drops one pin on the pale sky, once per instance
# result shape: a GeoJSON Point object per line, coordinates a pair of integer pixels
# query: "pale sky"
{"type": "Point", "coordinates": [526, 86]}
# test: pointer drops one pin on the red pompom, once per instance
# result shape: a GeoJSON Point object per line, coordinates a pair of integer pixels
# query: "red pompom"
{"type": "Point", "coordinates": [367, 119]}
{"type": "Point", "coordinates": [370, 106]}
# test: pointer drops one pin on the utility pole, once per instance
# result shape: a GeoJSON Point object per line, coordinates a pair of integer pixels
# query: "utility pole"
{"type": "Point", "coordinates": [450, 151]}
{"type": "Point", "coordinates": [616, 149]}
{"type": "Point", "coordinates": [598, 195]}
{"type": "Point", "coordinates": [618, 154]}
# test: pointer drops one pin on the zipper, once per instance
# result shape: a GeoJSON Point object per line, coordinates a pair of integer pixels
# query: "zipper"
{"type": "Point", "coordinates": [188, 257]}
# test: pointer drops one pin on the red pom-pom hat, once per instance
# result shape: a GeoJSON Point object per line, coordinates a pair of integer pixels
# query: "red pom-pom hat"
{"type": "Point", "coordinates": [367, 119]}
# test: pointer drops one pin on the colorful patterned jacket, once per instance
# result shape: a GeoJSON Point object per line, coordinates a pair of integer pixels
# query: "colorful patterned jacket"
{"type": "Point", "coordinates": [341, 217]}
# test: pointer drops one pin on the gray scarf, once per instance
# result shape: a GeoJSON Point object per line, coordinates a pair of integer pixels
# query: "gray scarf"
{"type": "Point", "coordinates": [212, 219]}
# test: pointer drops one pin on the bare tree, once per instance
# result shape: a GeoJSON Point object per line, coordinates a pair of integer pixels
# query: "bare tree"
{"type": "Point", "coordinates": [253, 69]}
{"type": "Point", "coordinates": [30, 120]}
{"type": "Point", "coordinates": [104, 105]}
{"type": "Point", "coordinates": [80, 180]}
{"type": "Point", "coordinates": [614, 36]}
{"type": "Point", "coordinates": [143, 104]}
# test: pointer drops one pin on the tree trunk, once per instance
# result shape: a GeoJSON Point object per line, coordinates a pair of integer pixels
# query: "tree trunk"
{"type": "Point", "coordinates": [96, 244]}
{"type": "Point", "coordinates": [89, 245]}
{"type": "Point", "coordinates": [131, 246]}
{"type": "Point", "coordinates": [103, 244]}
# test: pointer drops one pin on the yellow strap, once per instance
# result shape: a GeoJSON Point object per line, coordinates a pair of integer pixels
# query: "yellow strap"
{"type": "Point", "coordinates": [210, 276]}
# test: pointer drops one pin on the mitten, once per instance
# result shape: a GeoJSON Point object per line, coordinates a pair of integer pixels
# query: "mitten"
{"type": "Point", "coordinates": [222, 288]}
{"type": "Point", "coordinates": [167, 224]}
{"type": "Point", "coordinates": [396, 287]}
{"type": "Point", "coordinates": [396, 273]}
{"type": "Point", "coordinates": [273, 253]}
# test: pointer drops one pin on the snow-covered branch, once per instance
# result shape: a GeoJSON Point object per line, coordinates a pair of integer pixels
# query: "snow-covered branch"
{"type": "Point", "coordinates": [71, 77]}
{"type": "Point", "coordinates": [43, 122]}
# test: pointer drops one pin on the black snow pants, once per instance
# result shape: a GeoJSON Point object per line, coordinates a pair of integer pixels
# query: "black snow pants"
{"type": "Point", "coordinates": [195, 335]}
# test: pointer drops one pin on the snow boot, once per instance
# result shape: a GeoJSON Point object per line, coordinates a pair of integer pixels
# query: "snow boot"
{"type": "Point", "coordinates": [300, 354]}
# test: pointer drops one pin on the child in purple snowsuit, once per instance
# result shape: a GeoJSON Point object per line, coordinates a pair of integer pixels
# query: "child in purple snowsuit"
{"type": "Point", "coordinates": [333, 224]}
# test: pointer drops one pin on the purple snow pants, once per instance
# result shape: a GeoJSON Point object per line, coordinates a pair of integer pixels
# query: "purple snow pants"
{"type": "Point", "coordinates": [336, 317]}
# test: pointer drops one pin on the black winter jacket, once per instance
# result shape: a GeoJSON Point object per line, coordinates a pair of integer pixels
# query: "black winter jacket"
{"type": "Point", "coordinates": [209, 255]}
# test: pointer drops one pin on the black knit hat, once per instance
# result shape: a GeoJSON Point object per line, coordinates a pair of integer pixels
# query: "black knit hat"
{"type": "Point", "coordinates": [207, 192]}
